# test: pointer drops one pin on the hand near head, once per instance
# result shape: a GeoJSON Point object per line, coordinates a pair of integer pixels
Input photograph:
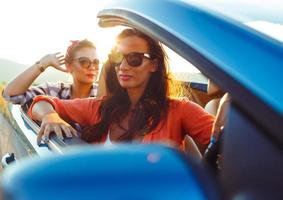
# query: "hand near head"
{"type": "Point", "coordinates": [54, 60]}
{"type": "Point", "coordinates": [51, 122]}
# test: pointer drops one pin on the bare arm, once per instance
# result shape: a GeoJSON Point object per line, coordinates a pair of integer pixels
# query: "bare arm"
{"type": "Point", "coordinates": [198, 123]}
{"type": "Point", "coordinates": [51, 122]}
{"type": "Point", "coordinates": [22, 82]}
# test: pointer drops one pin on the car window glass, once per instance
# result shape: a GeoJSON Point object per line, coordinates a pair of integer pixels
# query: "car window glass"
{"type": "Point", "coordinates": [183, 69]}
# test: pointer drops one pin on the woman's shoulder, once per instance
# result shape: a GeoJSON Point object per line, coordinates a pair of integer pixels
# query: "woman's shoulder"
{"type": "Point", "coordinates": [61, 84]}
{"type": "Point", "coordinates": [183, 103]}
{"type": "Point", "coordinates": [58, 89]}
{"type": "Point", "coordinates": [179, 101]}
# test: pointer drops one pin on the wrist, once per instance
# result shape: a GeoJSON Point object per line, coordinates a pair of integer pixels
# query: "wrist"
{"type": "Point", "coordinates": [40, 66]}
{"type": "Point", "coordinates": [50, 118]}
{"type": "Point", "coordinates": [50, 115]}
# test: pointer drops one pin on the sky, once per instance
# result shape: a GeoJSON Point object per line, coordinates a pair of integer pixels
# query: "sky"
{"type": "Point", "coordinates": [264, 16]}
{"type": "Point", "coordinates": [245, 10]}
{"type": "Point", "coordinates": [31, 29]}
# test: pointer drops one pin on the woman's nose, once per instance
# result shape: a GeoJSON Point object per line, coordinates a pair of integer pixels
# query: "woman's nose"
{"type": "Point", "coordinates": [124, 65]}
{"type": "Point", "coordinates": [94, 66]}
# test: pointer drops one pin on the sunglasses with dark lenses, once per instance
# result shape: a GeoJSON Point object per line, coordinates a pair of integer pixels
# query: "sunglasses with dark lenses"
{"type": "Point", "coordinates": [86, 62]}
{"type": "Point", "coordinates": [133, 59]}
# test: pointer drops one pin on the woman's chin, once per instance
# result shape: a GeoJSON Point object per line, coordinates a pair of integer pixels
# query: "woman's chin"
{"type": "Point", "coordinates": [88, 81]}
{"type": "Point", "coordinates": [125, 86]}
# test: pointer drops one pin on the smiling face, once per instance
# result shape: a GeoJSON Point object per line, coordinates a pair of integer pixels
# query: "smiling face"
{"type": "Point", "coordinates": [134, 77]}
{"type": "Point", "coordinates": [80, 74]}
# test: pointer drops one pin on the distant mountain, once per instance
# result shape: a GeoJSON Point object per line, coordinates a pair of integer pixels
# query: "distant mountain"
{"type": "Point", "coordinates": [9, 70]}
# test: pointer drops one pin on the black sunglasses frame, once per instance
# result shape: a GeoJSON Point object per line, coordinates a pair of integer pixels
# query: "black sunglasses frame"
{"type": "Point", "coordinates": [138, 56]}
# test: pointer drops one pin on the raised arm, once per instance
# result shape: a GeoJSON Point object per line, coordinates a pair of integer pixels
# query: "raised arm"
{"type": "Point", "coordinates": [51, 122]}
{"type": "Point", "coordinates": [23, 81]}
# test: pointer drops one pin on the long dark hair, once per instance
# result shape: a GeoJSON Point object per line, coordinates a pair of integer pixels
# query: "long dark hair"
{"type": "Point", "coordinates": [152, 106]}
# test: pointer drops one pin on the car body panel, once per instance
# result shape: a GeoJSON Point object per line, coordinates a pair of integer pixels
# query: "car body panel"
{"type": "Point", "coordinates": [20, 138]}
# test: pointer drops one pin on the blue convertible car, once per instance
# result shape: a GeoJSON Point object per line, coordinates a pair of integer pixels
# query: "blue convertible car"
{"type": "Point", "coordinates": [243, 62]}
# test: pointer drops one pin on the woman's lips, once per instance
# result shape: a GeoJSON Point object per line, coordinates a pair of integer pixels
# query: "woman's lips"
{"type": "Point", "coordinates": [91, 75]}
{"type": "Point", "coordinates": [125, 77]}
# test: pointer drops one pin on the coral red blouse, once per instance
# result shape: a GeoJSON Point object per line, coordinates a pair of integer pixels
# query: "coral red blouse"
{"type": "Point", "coordinates": [184, 117]}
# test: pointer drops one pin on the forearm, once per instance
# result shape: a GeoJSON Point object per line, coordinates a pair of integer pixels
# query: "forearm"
{"type": "Point", "coordinates": [41, 109]}
{"type": "Point", "coordinates": [22, 82]}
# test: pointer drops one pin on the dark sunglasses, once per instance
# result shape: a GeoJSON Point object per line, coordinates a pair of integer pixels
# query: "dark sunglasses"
{"type": "Point", "coordinates": [86, 62]}
{"type": "Point", "coordinates": [133, 59]}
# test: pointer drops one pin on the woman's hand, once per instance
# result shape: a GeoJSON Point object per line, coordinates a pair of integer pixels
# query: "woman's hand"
{"type": "Point", "coordinates": [51, 122]}
{"type": "Point", "coordinates": [54, 60]}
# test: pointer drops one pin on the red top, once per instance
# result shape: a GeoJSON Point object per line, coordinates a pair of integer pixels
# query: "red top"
{"type": "Point", "coordinates": [184, 117]}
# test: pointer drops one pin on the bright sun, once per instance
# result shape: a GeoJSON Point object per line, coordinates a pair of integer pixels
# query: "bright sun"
{"type": "Point", "coordinates": [105, 39]}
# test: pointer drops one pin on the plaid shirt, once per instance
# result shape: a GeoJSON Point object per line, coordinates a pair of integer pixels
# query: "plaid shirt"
{"type": "Point", "coordinates": [59, 89]}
